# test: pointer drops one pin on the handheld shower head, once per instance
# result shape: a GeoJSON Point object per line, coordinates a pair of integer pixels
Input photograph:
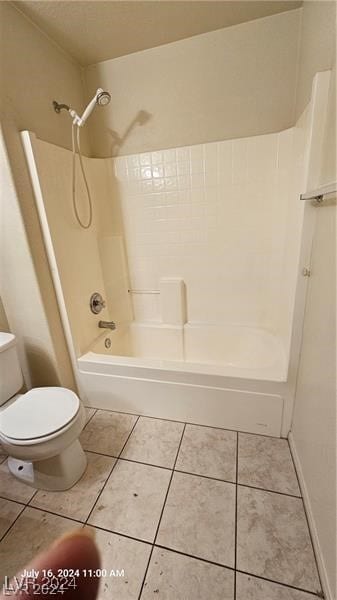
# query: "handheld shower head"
{"type": "Point", "coordinates": [101, 98]}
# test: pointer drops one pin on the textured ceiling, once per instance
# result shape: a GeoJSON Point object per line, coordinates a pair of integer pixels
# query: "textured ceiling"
{"type": "Point", "coordinates": [92, 31]}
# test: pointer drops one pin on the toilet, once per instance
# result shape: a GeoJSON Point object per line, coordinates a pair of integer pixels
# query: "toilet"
{"type": "Point", "coordinates": [39, 429]}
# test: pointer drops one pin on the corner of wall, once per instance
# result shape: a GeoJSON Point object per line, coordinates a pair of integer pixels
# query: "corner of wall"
{"type": "Point", "coordinates": [298, 60]}
{"type": "Point", "coordinates": [317, 46]}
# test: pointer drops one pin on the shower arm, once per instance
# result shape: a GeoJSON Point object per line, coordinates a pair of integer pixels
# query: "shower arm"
{"type": "Point", "coordinates": [76, 119]}
{"type": "Point", "coordinates": [58, 107]}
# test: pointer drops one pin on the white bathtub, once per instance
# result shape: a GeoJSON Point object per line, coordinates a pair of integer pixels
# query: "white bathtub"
{"type": "Point", "coordinates": [226, 376]}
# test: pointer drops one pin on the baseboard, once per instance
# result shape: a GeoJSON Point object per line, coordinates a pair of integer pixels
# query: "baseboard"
{"type": "Point", "coordinates": [312, 525]}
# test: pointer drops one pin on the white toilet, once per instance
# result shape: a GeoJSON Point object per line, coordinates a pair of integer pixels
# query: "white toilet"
{"type": "Point", "coordinates": [39, 430]}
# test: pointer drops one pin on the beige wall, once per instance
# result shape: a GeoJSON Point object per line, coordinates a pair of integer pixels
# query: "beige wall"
{"type": "Point", "coordinates": [33, 72]}
{"type": "Point", "coordinates": [317, 46]}
{"type": "Point", "coordinates": [235, 82]}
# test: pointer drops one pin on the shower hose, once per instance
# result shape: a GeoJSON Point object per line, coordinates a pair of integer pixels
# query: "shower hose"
{"type": "Point", "coordinates": [76, 142]}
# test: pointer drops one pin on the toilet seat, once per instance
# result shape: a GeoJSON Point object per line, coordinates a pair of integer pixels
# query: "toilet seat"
{"type": "Point", "coordinates": [53, 409]}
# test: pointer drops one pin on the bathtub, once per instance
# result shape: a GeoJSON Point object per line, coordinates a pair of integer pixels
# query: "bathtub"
{"type": "Point", "coordinates": [224, 376]}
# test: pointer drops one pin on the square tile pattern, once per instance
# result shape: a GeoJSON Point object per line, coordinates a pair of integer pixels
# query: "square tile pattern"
{"type": "Point", "coordinates": [258, 457]}
{"type": "Point", "coordinates": [174, 576]}
{"type": "Point", "coordinates": [127, 559]}
{"type": "Point", "coordinates": [190, 205]}
{"type": "Point", "coordinates": [273, 540]}
{"type": "Point", "coordinates": [208, 451]}
{"type": "Point", "coordinates": [107, 432]}
{"type": "Point", "coordinates": [154, 441]}
{"type": "Point", "coordinates": [199, 518]}
{"type": "Point", "coordinates": [176, 509]}
{"type": "Point", "coordinates": [132, 500]}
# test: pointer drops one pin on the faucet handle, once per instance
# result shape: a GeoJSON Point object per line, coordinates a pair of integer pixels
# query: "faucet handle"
{"type": "Point", "coordinates": [96, 303]}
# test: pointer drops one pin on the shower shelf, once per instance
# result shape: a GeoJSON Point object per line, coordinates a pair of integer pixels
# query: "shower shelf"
{"type": "Point", "coordinates": [144, 291]}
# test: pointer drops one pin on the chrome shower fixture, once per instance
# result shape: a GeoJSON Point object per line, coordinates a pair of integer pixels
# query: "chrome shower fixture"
{"type": "Point", "coordinates": [102, 98]}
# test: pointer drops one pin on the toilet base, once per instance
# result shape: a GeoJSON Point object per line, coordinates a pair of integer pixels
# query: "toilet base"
{"type": "Point", "coordinates": [58, 473]}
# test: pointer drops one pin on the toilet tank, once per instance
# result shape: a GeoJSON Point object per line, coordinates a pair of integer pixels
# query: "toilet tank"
{"type": "Point", "coordinates": [11, 379]}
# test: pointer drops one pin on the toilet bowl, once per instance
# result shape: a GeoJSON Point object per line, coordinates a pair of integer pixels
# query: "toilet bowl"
{"type": "Point", "coordinates": [39, 430]}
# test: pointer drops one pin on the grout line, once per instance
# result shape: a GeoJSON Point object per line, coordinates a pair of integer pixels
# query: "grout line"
{"type": "Point", "coordinates": [94, 451]}
{"type": "Point", "coordinates": [15, 520]}
{"type": "Point", "coordinates": [252, 487]}
{"type": "Point", "coordinates": [50, 512]}
{"type": "Point", "coordinates": [139, 462]}
{"type": "Point", "coordinates": [204, 476]}
{"type": "Point", "coordinates": [236, 511]}
{"type": "Point", "coordinates": [24, 504]}
{"type": "Point", "coordinates": [233, 430]}
{"type": "Point", "coordinates": [222, 566]}
{"type": "Point", "coordinates": [124, 535]}
{"type": "Point", "coordinates": [286, 585]}
{"type": "Point", "coordinates": [137, 415]}
{"type": "Point", "coordinates": [195, 474]}
{"type": "Point", "coordinates": [113, 466]}
{"type": "Point", "coordinates": [307, 520]}
{"type": "Point", "coordinates": [11, 500]}
{"type": "Point", "coordinates": [314, 594]}
{"type": "Point", "coordinates": [205, 560]}
{"type": "Point", "coordinates": [32, 498]}
{"type": "Point", "coordinates": [90, 418]}
{"type": "Point", "coordinates": [161, 514]}
{"type": "Point", "coordinates": [189, 423]}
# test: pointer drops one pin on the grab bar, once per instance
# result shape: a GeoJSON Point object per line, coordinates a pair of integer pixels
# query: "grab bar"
{"type": "Point", "coordinates": [144, 291]}
{"type": "Point", "coordinates": [320, 192]}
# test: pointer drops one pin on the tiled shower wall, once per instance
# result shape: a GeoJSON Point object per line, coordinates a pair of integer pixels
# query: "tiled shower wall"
{"type": "Point", "coordinates": [214, 215]}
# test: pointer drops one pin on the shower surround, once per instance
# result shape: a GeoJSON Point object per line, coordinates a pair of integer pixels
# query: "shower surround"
{"type": "Point", "coordinates": [196, 251]}
{"type": "Point", "coordinates": [215, 216]}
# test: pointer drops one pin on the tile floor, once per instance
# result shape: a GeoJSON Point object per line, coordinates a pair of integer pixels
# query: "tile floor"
{"type": "Point", "coordinates": [187, 512]}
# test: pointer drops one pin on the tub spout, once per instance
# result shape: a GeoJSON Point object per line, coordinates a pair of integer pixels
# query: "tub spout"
{"type": "Point", "coordinates": [107, 324]}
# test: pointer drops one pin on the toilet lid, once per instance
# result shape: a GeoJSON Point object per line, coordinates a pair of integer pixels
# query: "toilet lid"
{"type": "Point", "coordinates": [39, 413]}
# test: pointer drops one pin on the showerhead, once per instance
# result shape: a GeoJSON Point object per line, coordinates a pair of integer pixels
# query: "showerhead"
{"type": "Point", "coordinates": [103, 98]}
